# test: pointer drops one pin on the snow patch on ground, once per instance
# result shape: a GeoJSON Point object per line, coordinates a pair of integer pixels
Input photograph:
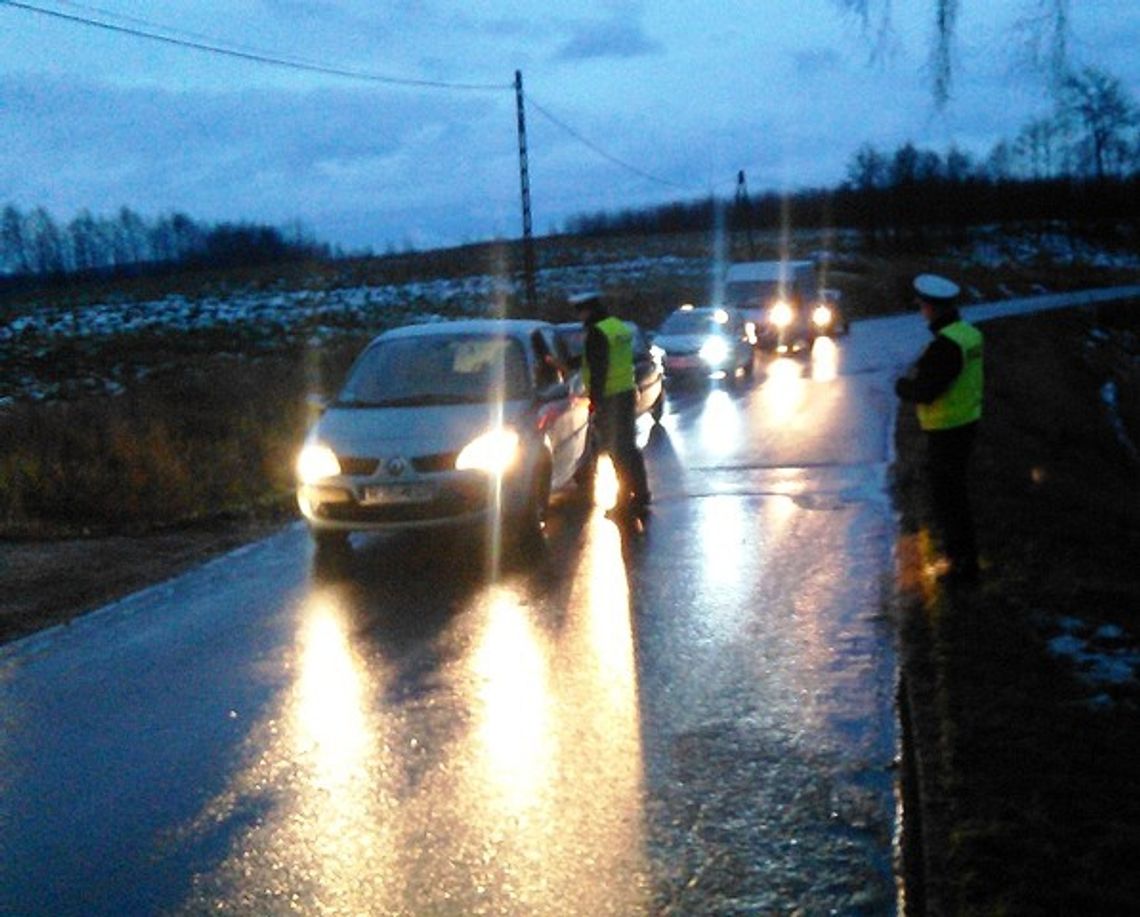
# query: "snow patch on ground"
{"type": "Point", "coordinates": [1104, 656]}
{"type": "Point", "coordinates": [265, 320]}
{"type": "Point", "coordinates": [997, 249]}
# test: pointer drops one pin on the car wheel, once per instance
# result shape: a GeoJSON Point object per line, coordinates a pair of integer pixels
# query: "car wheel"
{"type": "Point", "coordinates": [528, 526]}
{"type": "Point", "coordinates": [587, 471]}
{"type": "Point", "coordinates": [332, 552]}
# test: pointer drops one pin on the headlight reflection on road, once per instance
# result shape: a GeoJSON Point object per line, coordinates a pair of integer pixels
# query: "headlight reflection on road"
{"type": "Point", "coordinates": [513, 715]}
{"type": "Point", "coordinates": [605, 484]}
{"type": "Point", "coordinates": [720, 426]}
{"type": "Point", "coordinates": [783, 391]}
{"type": "Point", "coordinates": [824, 360]}
{"type": "Point", "coordinates": [331, 728]}
{"type": "Point", "coordinates": [325, 839]}
{"type": "Point", "coordinates": [555, 764]}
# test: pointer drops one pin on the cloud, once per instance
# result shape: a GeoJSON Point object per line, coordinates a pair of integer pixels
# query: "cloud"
{"type": "Point", "coordinates": [255, 154]}
{"type": "Point", "coordinates": [817, 61]}
{"type": "Point", "coordinates": [610, 38]}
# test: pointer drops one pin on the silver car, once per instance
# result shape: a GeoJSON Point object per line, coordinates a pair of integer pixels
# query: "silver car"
{"type": "Point", "coordinates": [445, 424]}
{"type": "Point", "coordinates": [704, 343]}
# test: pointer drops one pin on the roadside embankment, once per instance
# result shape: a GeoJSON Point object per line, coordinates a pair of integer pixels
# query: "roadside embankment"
{"type": "Point", "coordinates": [1022, 695]}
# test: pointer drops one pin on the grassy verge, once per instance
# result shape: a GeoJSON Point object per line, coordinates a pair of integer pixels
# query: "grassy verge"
{"type": "Point", "coordinates": [184, 444]}
{"type": "Point", "coordinates": [1027, 758]}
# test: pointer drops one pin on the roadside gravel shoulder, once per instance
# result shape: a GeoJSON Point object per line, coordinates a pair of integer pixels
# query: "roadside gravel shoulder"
{"type": "Point", "coordinates": [44, 583]}
{"type": "Point", "coordinates": [1028, 797]}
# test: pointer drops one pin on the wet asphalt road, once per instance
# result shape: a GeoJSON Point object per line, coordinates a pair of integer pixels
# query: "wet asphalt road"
{"type": "Point", "coordinates": [692, 718]}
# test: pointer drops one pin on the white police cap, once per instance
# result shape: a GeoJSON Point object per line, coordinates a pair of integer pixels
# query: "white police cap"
{"type": "Point", "coordinates": [936, 289]}
{"type": "Point", "coordinates": [588, 300]}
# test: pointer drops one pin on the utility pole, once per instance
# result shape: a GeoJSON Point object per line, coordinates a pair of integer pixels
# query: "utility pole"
{"type": "Point", "coordinates": [743, 211]}
{"type": "Point", "coordinates": [524, 180]}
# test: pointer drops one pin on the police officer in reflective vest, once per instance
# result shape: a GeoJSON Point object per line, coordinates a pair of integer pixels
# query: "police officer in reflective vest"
{"type": "Point", "coordinates": [608, 374]}
{"type": "Point", "coordinates": [946, 387]}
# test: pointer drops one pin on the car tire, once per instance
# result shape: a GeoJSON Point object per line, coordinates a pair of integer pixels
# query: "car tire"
{"type": "Point", "coordinates": [587, 470]}
{"type": "Point", "coordinates": [332, 553]}
{"type": "Point", "coordinates": [527, 528]}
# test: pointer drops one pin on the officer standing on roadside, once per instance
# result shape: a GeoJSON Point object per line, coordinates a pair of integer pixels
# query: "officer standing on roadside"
{"type": "Point", "coordinates": [608, 374]}
{"type": "Point", "coordinates": [946, 387]}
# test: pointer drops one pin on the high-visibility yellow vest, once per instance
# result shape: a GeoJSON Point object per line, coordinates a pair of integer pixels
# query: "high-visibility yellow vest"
{"type": "Point", "coordinates": [619, 365]}
{"type": "Point", "coordinates": [961, 403]}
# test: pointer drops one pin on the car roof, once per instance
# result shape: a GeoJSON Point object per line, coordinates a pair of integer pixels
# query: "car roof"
{"type": "Point", "coordinates": [506, 327]}
{"type": "Point", "coordinates": [759, 271]}
{"type": "Point", "coordinates": [705, 310]}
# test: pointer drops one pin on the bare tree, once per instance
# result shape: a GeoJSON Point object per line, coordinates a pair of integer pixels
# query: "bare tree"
{"type": "Point", "coordinates": [1098, 102]}
{"type": "Point", "coordinates": [14, 250]}
{"type": "Point", "coordinates": [1037, 148]}
{"type": "Point", "coordinates": [83, 234]}
{"type": "Point", "coordinates": [1044, 31]}
{"type": "Point", "coordinates": [46, 243]}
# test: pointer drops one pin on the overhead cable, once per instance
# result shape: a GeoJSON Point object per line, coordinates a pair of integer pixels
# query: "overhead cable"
{"type": "Point", "coordinates": [256, 56]}
{"type": "Point", "coordinates": [597, 149]}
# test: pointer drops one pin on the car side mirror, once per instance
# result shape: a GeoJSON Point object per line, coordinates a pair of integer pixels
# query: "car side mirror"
{"type": "Point", "coordinates": [554, 392]}
{"type": "Point", "coordinates": [316, 405]}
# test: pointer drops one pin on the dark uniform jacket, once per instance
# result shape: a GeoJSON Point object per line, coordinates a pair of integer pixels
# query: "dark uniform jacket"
{"type": "Point", "coordinates": [937, 368]}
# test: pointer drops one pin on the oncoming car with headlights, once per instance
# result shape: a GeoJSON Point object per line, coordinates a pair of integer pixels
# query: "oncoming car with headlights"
{"type": "Point", "coordinates": [440, 424]}
{"type": "Point", "coordinates": [704, 343]}
{"type": "Point", "coordinates": [828, 318]}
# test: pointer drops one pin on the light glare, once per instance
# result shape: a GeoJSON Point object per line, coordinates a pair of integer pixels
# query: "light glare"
{"type": "Point", "coordinates": [495, 452]}
{"type": "Point", "coordinates": [316, 462]}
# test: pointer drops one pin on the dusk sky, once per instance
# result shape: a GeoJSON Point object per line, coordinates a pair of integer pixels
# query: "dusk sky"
{"type": "Point", "coordinates": [631, 103]}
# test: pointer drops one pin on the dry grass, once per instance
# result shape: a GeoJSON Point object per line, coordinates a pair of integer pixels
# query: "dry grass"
{"type": "Point", "coordinates": [1030, 770]}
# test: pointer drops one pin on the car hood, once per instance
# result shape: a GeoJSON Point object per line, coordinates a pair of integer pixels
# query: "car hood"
{"type": "Point", "coordinates": [409, 431]}
{"type": "Point", "coordinates": [681, 343]}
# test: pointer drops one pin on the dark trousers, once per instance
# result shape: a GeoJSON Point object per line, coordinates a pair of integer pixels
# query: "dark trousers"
{"type": "Point", "coordinates": [617, 435]}
{"type": "Point", "coordinates": [947, 464]}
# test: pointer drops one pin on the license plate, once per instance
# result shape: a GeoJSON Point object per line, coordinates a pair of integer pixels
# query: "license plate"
{"type": "Point", "coordinates": [385, 494]}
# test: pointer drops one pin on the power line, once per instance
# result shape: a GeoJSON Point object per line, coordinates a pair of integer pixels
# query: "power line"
{"type": "Point", "coordinates": [597, 149]}
{"type": "Point", "coordinates": [213, 47]}
{"type": "Point", "coordinates": [152, 31]}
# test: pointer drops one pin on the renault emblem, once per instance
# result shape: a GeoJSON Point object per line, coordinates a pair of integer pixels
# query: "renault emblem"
{"type": "Point", "coordinates": [396, 466]}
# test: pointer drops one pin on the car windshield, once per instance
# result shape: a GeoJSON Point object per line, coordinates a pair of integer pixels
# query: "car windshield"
{"type": "Point", "coordinates": [689, 322]}
{"type": "Point", "coordinates": [437, 369]}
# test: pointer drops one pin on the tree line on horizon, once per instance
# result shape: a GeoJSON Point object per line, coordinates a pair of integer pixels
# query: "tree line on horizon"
{"type": "Point", "coordinates": [32, 243]}
{"type": "Point", "coordinates": [1079, 164]}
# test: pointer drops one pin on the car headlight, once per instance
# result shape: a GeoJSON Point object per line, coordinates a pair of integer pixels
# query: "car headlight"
{"type": "Point", "coordinates": [714, 351]}
{"type": "Point", "coordinates": [494, 452]}
{"type": "Point", "coordinates": [316, 462]}
{"type": "Point", "coordinates": [821, 316]}
{"type": "Point", "coordinates": [780, 315]}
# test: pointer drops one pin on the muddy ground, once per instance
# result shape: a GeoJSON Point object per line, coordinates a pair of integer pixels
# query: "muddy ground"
{"type": "Point", "coordinates": [44, 583]}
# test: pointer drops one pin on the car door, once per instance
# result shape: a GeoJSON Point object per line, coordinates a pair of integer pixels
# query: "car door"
{"type": "Point", "coordinates": [563, 414]}
{"type": "Point", "coordinates": [646, 371]}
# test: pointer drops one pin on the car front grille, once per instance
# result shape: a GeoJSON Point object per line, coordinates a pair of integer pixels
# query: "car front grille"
{"type": "Point", "coordinates": [452, 503]}
{"type": "Point", "coordinates": [358, 466]}
{"type": "Point", "coordinates": [353, 465]}
{"type": "Point", "coordinates": [441, 461]}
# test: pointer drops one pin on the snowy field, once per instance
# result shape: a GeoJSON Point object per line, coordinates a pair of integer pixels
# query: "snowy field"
{"type": "Point", "coordinates": [265, 321]}
{"type": "Point", "coordinates": [57, 352]}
